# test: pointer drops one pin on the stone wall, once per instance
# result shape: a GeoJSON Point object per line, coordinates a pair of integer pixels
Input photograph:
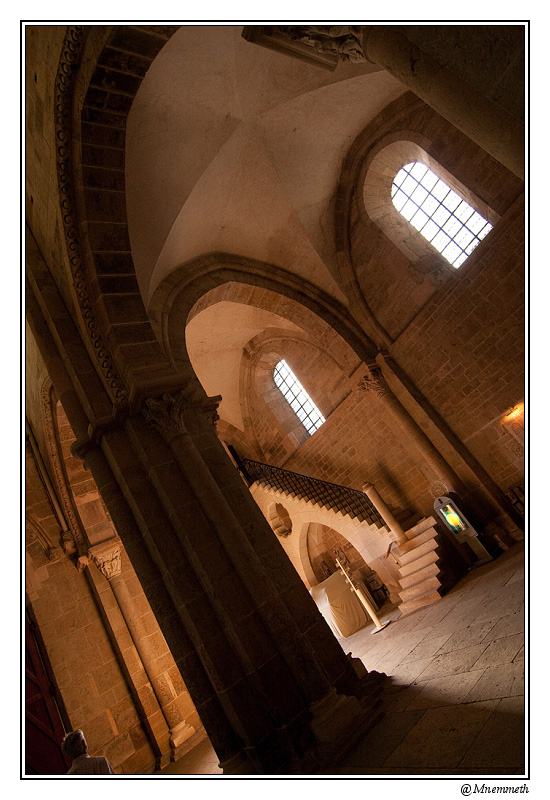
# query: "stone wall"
{"type": "Point", "coordinates": [92, 685]}
{"type": "Point", "coordinates": [470, 339]}
{"type": "Point", "coordinates": [114, 671]}
{"type": "Point", "coordinates": [457, 334]}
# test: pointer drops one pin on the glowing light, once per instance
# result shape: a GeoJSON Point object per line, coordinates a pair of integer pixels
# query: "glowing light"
{"type": "Point", "coordinates": [297, 397]}
{"type": "Point", "coordinates": [440, 215]}
{"type": "Point", "coordinates": [452, 518]}
{"type": "Point", "coordinates": [514, 412]}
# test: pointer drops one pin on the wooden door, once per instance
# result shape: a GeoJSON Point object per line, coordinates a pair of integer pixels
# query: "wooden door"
{"type": "Point", "coordinates": [44, 729]}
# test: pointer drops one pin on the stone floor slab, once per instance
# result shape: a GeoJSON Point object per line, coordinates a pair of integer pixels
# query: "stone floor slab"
{"type": "Point", "coordinates": [467, 636]}
{"type": "Point", "coordinates": [501, 651]}
{"type": "Point", "coordinates": [507, 626]}
{"type": "Point", "coordinates": [381, 742]}
{"type": "Point", "coordinates": [452, 663]}
{"type": "Point", "coordinates": [427, 648]}
{"type": "Point", "coordinates": [497, 682]}
{"type": "Point", "coordinates": [441, 737]}
{"type": "Point", "coordinates": [450, 690]}
{"type": "Point", "coordinates": [406, 673]}
{"type": "Point", "coordinates": [500, 743]}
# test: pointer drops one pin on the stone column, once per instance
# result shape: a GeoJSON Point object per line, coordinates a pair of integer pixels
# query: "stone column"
{"type": "Point", "coordinates": [273, 604]}
{"type": "Point", "coordinates": [107, 556]}
{"type": "Point", "coordinates": [394, 526]}
{"type": "Point", "coordinates": [374, 381]}
{"type": "Point", "coordinates": [494, 129]}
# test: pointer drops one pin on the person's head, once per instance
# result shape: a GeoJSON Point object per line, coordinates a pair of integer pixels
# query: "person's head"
{"type": "Point", "coordinates": [74, 744]}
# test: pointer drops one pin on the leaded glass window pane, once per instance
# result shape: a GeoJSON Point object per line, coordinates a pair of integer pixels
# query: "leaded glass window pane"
{"type": "Point", "coordinates": [297, 397]}
{"type": "Point", "coordinates": [440, 215]}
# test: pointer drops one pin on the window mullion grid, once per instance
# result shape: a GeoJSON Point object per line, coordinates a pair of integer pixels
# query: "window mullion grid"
{"type": "Point", "coordinates": [449, 199]}
{"type": "Point", "coordinates": [297, 397]}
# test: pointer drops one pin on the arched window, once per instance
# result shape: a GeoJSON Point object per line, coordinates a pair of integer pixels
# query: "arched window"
{"type": "Point", "coordinates": [438, 213]}
{"type": "Point", "coordinates": [298, 399]}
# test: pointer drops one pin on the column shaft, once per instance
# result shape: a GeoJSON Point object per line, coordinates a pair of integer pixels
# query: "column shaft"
{"type": "Point", "coordinates": [180, 731]}
{"type": "Point", "coordinates": [375, 382]}
{"type": "Point", "coordinates": [385, 513]}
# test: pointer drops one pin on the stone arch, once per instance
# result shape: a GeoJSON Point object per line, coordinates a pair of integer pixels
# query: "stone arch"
{"type": "Point", "coordinates": [220, 276]}
{"type": "Point", "coordinates": [472, 170]}
{"type": "Point", "coordinates": [99, 73]}
{"type": "Point", "coordinates": [331, 539]}
{"type": "Point", "coordinates": [178, 296]}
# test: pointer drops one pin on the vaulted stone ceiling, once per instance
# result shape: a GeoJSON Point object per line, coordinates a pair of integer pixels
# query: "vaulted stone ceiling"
{"type": "Point", "coordinates": [231, 147]}
{"type": "Point", "coordinates": [236, 148]}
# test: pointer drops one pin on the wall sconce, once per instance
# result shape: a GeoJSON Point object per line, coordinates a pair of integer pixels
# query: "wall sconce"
{"type": "Point", "coordinates": [513, 413]}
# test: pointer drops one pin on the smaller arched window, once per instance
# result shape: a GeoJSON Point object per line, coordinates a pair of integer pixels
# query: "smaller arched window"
{"type": "Point", "coordinates": [297, 397]}
{"type": "Point", "coordinates": [438, 213]}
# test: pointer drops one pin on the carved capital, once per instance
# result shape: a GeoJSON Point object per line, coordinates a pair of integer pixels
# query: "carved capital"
{"type": "Point", "coordinates": [374, 382]}
{"type": "Point", "coordinates": [107, 557]}
{"type": "Point", "coordinates": [169, 414]}
{"type": "Point", "coordinates": [341, 41]}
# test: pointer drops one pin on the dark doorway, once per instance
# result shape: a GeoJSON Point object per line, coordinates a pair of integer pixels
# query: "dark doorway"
{"type": "Point", "coordinates": [44, 730]}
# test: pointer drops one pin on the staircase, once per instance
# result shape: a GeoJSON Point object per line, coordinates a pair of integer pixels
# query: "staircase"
{"type": "Point", "coordinates": [341, 499]}
{"type": "Point", "coordinates": [428, 565]}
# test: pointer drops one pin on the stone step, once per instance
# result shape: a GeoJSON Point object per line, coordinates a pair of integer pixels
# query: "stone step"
{"type": "Point", "coordinates": [420, 527]}
{"type": "Point", "coordinates": [419, 563]}
{"type": "Point", "coordinates": [429, 571]}
{"type": "Point", "coordinates": [420, 538]}
{"type": "Point", "coordinates": [420, 588]}
{"type": "Point", "coordinates": [407, 558]}
{"type": "Point", "coordinates": [419, 602]}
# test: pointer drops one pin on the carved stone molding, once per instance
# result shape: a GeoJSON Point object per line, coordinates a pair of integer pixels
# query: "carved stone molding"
{"type": "Point", "coordinates": [373, 381]}
{"type": "Point", "coordinates": [53, 552]}
{"type": "Point", "coordinates": [322, 45]}
{"type": "Point", "coordinates": [64, 89]}
{"type": "Point", "coordinates": [107, 557]}
{"type": "Point", "coordinates": [168, 414]}
{"type": "Point", "coordinates": [342, 41]}
{"type": "Point", "coordinates": [279, 519]}
{"type": "Point", "coordinates": [72, 540]}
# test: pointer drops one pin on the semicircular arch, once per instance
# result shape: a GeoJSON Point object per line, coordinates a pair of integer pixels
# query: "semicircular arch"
{"type": "Point", "coordinates": [223, 277]}
{"type": "Point", "coordinates": [182, 295]}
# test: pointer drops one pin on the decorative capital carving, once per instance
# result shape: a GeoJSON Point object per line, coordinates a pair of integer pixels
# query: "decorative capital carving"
{"type": "Point", "coordinates": [374, 381]}
{"type": "Point", "coordinates": [107, 557]}
{"type": "Point", "coordinates": [169, 413]}
{"type": "Point", "coordinates": [342, 41]}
